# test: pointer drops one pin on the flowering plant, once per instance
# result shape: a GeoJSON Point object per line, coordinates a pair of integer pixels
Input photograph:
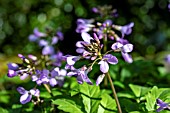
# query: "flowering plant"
{"type": "Point", "coordinates": [95, 79]}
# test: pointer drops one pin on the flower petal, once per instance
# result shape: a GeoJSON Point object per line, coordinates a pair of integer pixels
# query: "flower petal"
{"type": "Point", "coordinates": [111, 59]}
{"type": "Point", "coordinates": [48, 50]}
{"type": "Point", "coordinates": [116, 46]}
{"type": "Point", "coordinates": [53, 82]}
{"type": "Point", "coordinates": [127, 48]}
{"type": "Point", "coordinates": [86, 37]}
{"type": "Point", "coordinates": [25, 98]}
{"type": "Point", "coordinates": [104, 67]}
{"type": "Point", "coordinates": [13, 66]}
{"type": "Point", "coordinates": [100, 79]}
{"type": "Point", "coordinates": [127, 57]}
{"type": "Point", "coordinates": [21, 90]}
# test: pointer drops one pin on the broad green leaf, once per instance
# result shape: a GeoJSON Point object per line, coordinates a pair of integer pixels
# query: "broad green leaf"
{"type": "Point", "coordinates": [165, 94]}
{"type": "Point", "coordinates": [67, 105]}
{"type": "Point", "coordinates": [107, 105]}
{"type": "Point", "coordinates": [2, 110]}
{"type": "Point", "coordinates": [91, 97]}
{"type": "Point", "coordinates": [139, 90]}
{"type": "Point", "coordinates": [136, 89]}
{"type": "Point", "coordinates": [151, 98]}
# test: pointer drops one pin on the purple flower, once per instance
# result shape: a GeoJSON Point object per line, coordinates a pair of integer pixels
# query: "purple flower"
{"type": "Point", "coordinates": [162, 105]}
{"type": "Point", "coordinates": [125, 49]}
{"type": "Point", "coordinates": [27, 95]}
{"type": "Point", "coordinates": [57, 77]}
{"type": "Point", "coordinates": [95, 10]}
{"type": "Point", "coordinates": [57, 58]}
{"type": "Point", "coordinates": [100, 79]}
{"type": "Point", "coordinates": [125, 30]}
{"type": "Point", "coordinates": [48, 50]}
{"type": "Point", "coordinates": [81, 75]}
{"type": "Point", "coordinates": [41, 77]}
{"type": "Point", "coordinates": [84, 25]}
{"type": "Point", "coordinates": [43, 42]}
{"type": "Point", "coordinates": [71, 60]}
{"type": "Point", "coordinates": [108, 58]}
{"type": "Point", "coordinates": [12, 68]}
{"type": "Point", "coordinates": [167, 59]}
{"type": "Point", "coordinates": [60, 36]}
{"type": "Point", "coordinates": [37, 34]}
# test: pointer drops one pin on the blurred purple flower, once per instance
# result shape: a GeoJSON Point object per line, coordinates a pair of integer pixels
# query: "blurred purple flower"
{"type": "Point", "coordinates": [43, 42]}
{"type": "Point", "coordinates": [108, 58]}
{"type": "Point", "coordinates": [37, 34]}
{"type": "Point", "coordinates": [81, 75]}
{"type": "Point", "coordinates": [60, 35]}
{"type": "Point", "coordinates": [57, 58]}
{"type": "Point", "coordinates": [162, 105]}
{"type": "Point", "coordinates": [95, 10]}
{"type": "Point", "coordinates": [41, 77]}
{"type": "Point", "coordinates": [27, 95]}
{"type": "Point", "coordinates": [48, 50]}
{"type": "Point", "coordinates": [84, 25]}
{"type": "Point", "coordinates": [167, 59]}
{"type": "Point", "coordinates": [57, 77]}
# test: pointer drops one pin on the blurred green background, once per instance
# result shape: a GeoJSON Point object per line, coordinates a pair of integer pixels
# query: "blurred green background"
{"type": "Point", "coordinates": [18, 18]}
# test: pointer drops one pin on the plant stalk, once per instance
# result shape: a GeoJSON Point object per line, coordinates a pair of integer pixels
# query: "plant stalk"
{"type": "Point", "coordinates": [48, 89]}
{"type": "Point", "coordinates": [114, 93]}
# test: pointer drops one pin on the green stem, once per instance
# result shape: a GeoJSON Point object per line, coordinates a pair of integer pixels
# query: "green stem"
{"type": "Point", "coordinates": [114, 92]}
{"type": "Point", "coordinates": [48, 89]}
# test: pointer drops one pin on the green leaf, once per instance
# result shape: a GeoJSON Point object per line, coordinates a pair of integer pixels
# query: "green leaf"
{"type": "Point", "coordinates": [139, 90]}
{"type": "Point", "coordinates": [67, 105]}
{"type": "Point", "coordinates": [16, 106]}
{"type": "Point", "coordinates": [107, 105]}
{"type": "Point", "coordinates": [129, 105]}
{"type": "Point", "coordinates": [2, 110]}
{"type": "Point", "coordinates": [151, 98]}
{"type": "Point", "coordinates": [91, 97]}
{"type": "Point", "coordinates": [165, 94]}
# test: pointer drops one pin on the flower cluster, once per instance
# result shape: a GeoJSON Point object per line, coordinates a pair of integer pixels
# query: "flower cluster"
{"type": "Point", "coordinates": [95, 48]}
{"type": "Point", "coordinates": [44, 70]}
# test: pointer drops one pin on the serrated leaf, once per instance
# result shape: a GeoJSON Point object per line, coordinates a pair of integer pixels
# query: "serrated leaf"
{"type": "Point", "coordinates": [90, 95]}
{"type": "Point", "coordinates": [107, 105]}
{"type": "Point", "coordinates": [165, 94]}
{"type": "Point", "coordinates": [139, 90]}
{"type": "Point", "coordinates": [151, 98]}
{"type": "Point", "coordinates": [67, 105]}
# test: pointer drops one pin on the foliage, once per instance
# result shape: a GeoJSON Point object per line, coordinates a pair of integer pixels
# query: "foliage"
{"type": "Point", "coordinates": [59, 72]}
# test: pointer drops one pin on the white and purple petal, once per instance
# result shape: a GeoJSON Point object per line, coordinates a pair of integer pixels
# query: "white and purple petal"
{"type": "Point", "coordinates": [116, 45]}
{"type": "Point", "coordinates": [25, 98]}
{"type": "Point", "coordinates": [110, 58]}
{"type": "Point", "coordinates": [100, 79]}
{"type": "Point", "coordinates": [127, 57]}
{"type": "Point", "coordinates": [127, 48]}
{"type": "Point", "coordinates": [104, 66]}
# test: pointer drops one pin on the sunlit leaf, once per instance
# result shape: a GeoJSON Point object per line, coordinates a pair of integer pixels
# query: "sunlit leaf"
{"type": "Point", "coordinates": [67, 105]}
{"type": "Point", "coordinates": [107, 105]}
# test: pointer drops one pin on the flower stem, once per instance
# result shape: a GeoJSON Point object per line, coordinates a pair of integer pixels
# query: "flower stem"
{"type": "Point", "coordinates": [48, 89]}
{"type": "Point", "coordinates": [114, 92]}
